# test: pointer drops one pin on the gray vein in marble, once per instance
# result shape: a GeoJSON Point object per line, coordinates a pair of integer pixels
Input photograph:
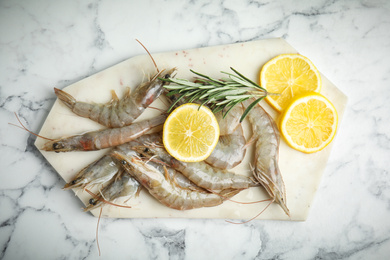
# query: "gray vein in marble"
{"type": "Point", "coordinates": [46, 44]}
{"type": "Point", "coordinates": [264, 238]}
{"type": "Point", "coordinates": [21, 210]}
{"type": "Point", "coordinates": [324, 253]}
{"type": "Point", "coordinates": [172, 241]}
{"type": "Point", "coordinates": [100, 40]}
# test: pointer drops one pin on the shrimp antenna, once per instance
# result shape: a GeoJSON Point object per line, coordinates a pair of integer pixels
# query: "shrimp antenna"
{"type": "Point", "coordinates": [97, 231]}
{"type": "Point", "coordinates": [235, 201]}
{"type": "Point", "coordinates": [239, 223]}
{"type": "Point", "coordinates": [158, 109]}
{"type": "Point", "coordinates": [25, 128]}
{"type": "Point", "coordinates": [249, 142]}
{"type": "Point", "coordinates": [150, 55]}
{"type": "Point", "coordinates": [251, 202]}
{"type": "Point", "coordinates": [164, 101]}
{"type": "Point", "coordinates": [151, 159]}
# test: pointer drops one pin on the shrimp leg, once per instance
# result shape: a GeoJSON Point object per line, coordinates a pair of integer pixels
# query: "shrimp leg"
{"type": "Point", "coordinates": [101, 139]}
{"type": "Point", "coordinates": [119, 112]}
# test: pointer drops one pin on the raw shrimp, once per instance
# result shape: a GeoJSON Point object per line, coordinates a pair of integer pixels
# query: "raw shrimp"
{"type": "Point", "coordinates": [231, 121]}
{"type": "Point", "coordinates": [168, 192]}
{"type": "Point", "coordinates": [210, 178]}
{"type": "Point", "coordinates": [104, 169]}
{"type": "Point", "coordinates": [200, 173]}
{"type": "Point", "coordinates": [266, 169]}
{"type": "Point", "coordinates": [123, 186]}
{"type": "Point", "coordinates": [176, 177]}
{"type": "Point", "coordinates": [119, 112]}
{"type": "Point", "coordinates": [99, 172]}
{"type": "Point", "coordinates": [101, 139]}
{"type": "Point", "coordinates": [229, 151]}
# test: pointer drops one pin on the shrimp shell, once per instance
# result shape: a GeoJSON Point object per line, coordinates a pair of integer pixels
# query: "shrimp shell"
{"type": "Point", "coordinates": [211, 178]}
{"type": "Point", "coordinates": [231, 121]}
{"type": "Point", "coordinates": [176, 177]}
{"type": "Point", "coordinates": [266, 169]}
{"type": "Point", "coordinates": [229, 151]}
{"type": "Point", "coordinates": [168, 192]}
{"type": "Point", "coordinates": [98, 172]}
{"type": "Point", "coordinates": [200, 173]}
{"type": "Point", "coordinates": [105, 138]}
{"type": "Point", "coordinates": [119, 112]}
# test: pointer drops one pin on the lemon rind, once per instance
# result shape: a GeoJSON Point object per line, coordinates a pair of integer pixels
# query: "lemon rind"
{"type": "Point", "coordinates": [300, 99]}
{"type": "Point", "coordinates": [263, 83]}
{"type": "Point", "coordinates": [177, 155]}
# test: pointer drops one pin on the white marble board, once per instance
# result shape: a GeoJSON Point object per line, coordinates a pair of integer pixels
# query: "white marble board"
{"type": "Point", "coordinates": [301, 172]}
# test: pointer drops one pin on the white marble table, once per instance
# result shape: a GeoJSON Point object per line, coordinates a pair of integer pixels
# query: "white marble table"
{"type": "Point", "coordinates": [56, 43]}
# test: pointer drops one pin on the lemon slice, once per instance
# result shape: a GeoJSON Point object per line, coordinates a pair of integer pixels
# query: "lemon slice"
{"type": "Point", "coordinates": [309, 123]}
{"type": "Point", "coordinates": [289, 75]}
{"type": "Point", "coordinates": [190, 133]}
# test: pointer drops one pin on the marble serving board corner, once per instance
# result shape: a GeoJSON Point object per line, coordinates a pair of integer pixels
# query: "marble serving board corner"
{"type": "Point", "coordinates": [301, 172]}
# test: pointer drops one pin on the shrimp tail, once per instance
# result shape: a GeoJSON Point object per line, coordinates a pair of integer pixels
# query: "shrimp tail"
{"type": "Point", "coordinates": [285, 209]}
{"type": "Point", "coordinates": [66, 98]}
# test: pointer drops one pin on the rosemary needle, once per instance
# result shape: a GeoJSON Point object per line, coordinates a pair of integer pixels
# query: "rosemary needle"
{"type": "Point", "coordinates": [219, 94]}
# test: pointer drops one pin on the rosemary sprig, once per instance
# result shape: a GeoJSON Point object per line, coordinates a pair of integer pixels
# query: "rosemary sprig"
{"type": "Point", "coordinates": [218, 94]}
